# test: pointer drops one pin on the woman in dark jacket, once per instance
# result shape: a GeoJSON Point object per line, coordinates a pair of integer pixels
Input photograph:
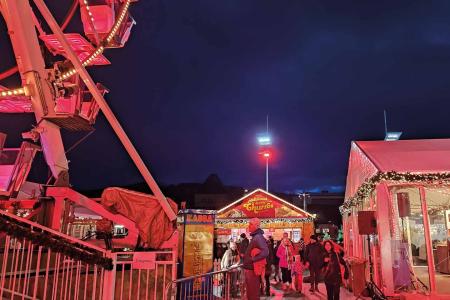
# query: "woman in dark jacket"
{"type": "Point", "coordinates": [332, 271]}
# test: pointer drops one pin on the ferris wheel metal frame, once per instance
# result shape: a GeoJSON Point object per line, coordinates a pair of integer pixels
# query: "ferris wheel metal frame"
{"type": "Point", "coordinates": [45, 87]}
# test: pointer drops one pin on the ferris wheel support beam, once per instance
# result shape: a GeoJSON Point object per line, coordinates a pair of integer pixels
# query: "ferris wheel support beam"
{"type": "Point", "coordinates": [18, 16]}
{"type": "Point", "coordinates": [120, 132]}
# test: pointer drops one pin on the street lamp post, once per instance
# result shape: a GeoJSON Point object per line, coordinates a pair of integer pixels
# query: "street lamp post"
{"type": "Point", "coordinates": [267, 156]}
{"type": "Point", "coordinates": [304, 195]}
{"type": "Point", "coordinates": [265, 142]}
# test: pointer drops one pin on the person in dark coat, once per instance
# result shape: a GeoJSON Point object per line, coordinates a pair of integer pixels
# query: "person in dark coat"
{"type": "Point", "coordinates": [243, 245]}
{"type": "Point", "coordinates": [314, 256]}
{"type": "Point", "coordinates": [253, 281]}
{"type": "Point", "coordinates": [332, 274]}
{"type": "Point", "coordinates": [269, 263]}
{"type": "Point", "coordinates": [276, 262]}
{"type": "Point", "coordinates": [301, 248]}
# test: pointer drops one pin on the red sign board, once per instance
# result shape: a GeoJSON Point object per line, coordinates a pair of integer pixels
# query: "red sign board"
{"type": "Point", "coordinates": [223, 231]}
{"type": "Point", "coordinates": [144, 260]}
{"type": "Point", "coordinates": [259, 205]}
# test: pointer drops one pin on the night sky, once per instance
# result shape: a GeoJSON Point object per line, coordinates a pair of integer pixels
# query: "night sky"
{"type": "Point", "coordinates": [196, 80]}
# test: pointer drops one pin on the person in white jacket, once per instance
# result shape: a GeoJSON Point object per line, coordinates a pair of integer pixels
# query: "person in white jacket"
{"type": "Point", "coordinates": [230, 258]}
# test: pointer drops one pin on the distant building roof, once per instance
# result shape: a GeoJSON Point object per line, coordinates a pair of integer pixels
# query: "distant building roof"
{"type": "Point", "coordinates": [212, 185]}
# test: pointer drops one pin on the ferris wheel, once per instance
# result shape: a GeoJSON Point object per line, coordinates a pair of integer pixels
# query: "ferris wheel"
{"type": "Point", "coordinates": [59, 91]}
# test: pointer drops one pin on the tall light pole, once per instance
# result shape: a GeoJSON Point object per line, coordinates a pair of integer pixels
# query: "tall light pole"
{"type": "Point", "coordinates": [265, 142]}
{"type": "Point", "coordinates": [267, 156]}
{"type": "Point", "coordinates": [304, 195]}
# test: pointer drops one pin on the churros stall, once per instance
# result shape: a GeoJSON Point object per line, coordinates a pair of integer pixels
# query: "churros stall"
{"type": "Point", "coordinates": [277, 217]}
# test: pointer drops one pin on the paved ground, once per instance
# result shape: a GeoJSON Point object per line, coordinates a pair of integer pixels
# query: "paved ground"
{"type": "Point", "coordinates": [277, 293]}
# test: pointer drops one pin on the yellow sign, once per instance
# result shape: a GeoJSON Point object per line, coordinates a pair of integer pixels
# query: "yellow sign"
{"type": "Point", "coordinates": [258, 204]}
{"type": "Point", "coordinates": [198, 250]}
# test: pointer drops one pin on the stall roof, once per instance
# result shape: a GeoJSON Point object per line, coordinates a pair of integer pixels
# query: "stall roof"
{"type": "Point", "coordinates": [258, 195]}
{"type": "Point", "coordinates": [416, 156]}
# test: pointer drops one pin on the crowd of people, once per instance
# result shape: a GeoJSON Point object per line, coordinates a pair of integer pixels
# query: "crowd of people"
{"type": "Point", "coordinates": [285, 262]}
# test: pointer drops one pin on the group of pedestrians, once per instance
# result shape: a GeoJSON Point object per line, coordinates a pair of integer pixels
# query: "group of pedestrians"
{"type": "Point", "coordinates": [260, 257]}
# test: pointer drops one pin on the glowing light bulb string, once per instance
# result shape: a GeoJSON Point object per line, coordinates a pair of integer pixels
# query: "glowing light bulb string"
{"type": "Point", "coordinates": [366, 189]}
{"type": "Point", "coordinates": [91, 20]}
{"type": "Point", "coordinates": [98, 51]}
{"type": "Point", "coordinates": [107, 41]}
{"type": "Point", "coordinates": [14, 92]}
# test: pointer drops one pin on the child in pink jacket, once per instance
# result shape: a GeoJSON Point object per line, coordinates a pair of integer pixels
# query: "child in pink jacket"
{"type": "Point", "coordinates": [297, 272]}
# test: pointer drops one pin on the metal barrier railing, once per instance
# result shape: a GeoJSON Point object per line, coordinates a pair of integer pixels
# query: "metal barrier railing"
{"type": "Point", "coordinates": [223, 284]}
{"type": "Point", "coordinates": [40, 263]}
{"type": "Point", "coordinates": [143, 275]}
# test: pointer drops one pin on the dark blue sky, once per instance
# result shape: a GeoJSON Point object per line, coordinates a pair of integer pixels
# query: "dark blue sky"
{"type": "Point", "coordinates": [194, 84]}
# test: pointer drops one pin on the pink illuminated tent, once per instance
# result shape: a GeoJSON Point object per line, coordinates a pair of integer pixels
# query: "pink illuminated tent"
{"type": "Point", "coordinates": [421, 156]}
{"type": "Point", "coordinates": [406, 184]}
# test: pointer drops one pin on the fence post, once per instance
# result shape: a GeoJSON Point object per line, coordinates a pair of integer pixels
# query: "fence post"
{"type": "Point", "coordinates": [109, 280]}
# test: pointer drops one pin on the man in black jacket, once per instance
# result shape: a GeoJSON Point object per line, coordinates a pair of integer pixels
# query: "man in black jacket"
{"type": "Point", "coordinates": [253, 281]}
{"type": "Point", "coordinates": [243, 245]}
{"type": "Point", "coordinates": [314, 256]}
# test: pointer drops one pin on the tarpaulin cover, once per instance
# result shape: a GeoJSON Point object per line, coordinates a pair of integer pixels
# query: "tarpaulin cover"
{"type": "Point", "coordinates": [415, 156]}
{"type": "Point", "coordinates": [143, 209]}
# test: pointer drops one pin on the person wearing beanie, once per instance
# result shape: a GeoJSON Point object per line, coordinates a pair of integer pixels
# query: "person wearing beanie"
{"type": "Point", "coordinates": [252, 280]}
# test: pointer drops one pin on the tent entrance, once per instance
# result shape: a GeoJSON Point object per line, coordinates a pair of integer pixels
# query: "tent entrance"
{"type": "Point", "coordinates": [421, 238]}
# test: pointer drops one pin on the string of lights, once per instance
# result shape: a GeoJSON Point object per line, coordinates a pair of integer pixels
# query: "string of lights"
{"type": "Point", "coordinates": [13, 92]}
{"type": "Point", "coordinates": [366, 189]}
{"type": "Point", "coordinates": [265, 221]}
{"type": "Point", "coordinates": [109, 37]}
{"type": "Point", "coordinates": [116, 26]}
{"type": "Point", "coordinates": [91, 16]}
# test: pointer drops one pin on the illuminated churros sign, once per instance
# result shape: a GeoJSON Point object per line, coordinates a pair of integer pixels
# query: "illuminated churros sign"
{"type": "Point", "coordinates": [259, 204]}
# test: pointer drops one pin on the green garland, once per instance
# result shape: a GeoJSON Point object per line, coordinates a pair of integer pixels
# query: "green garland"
{"type": "Point", "coordinates": [370, 184]}
{"type": "Point", "coordinates": [74, 250]}
{"type": "Point", "coordinates": [264, 221]}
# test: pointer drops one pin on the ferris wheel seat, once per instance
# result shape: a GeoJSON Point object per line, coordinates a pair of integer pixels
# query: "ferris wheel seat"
{"type": "Point", "coordinates": [15, 164]}
{"type": "Point", "coordinates": [79, 45]}
{"type": "Point", "coordinates": [78, 111]}
{"type": "Point", "coordinates": [15, 105]}
{"type": "Point", "coordinates": [103, 17]}
{"type": "Point", "coordinates": [122, 35]}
